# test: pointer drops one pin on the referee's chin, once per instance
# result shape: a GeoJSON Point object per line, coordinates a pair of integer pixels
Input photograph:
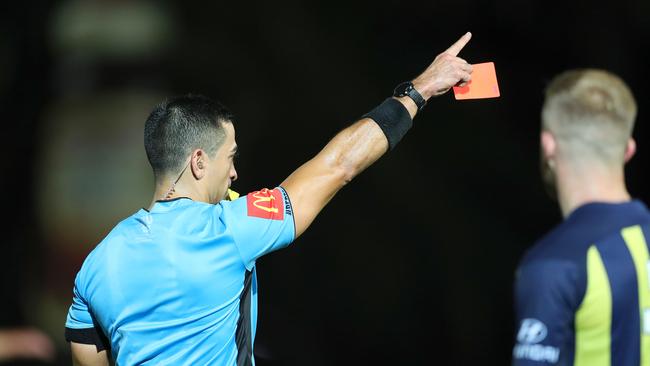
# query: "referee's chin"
{"type": "Point", "coordinates": [224, 196]}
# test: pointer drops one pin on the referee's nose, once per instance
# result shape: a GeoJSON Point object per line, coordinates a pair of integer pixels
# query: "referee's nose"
{"type": "Point", "coordinates": [233, 174]}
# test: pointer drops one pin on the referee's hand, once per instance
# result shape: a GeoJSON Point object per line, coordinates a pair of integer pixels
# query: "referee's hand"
{"type": "Point", "coordinates": [446, 70]}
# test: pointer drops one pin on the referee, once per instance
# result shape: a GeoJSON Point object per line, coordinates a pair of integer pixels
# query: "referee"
{"type": "Point", "coordinates": [582, 292]}
{"type": "Point", "coordinates": [175, 283]}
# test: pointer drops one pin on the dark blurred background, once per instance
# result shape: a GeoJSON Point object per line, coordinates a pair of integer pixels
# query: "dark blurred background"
{"type": "Point", "coordinates": [412, 263]}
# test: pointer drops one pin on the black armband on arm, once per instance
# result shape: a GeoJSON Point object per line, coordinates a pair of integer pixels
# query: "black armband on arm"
{"type": "Point", "coordinates": [88, 336]}
{"type": "Point", "coordinates": [393, 118]}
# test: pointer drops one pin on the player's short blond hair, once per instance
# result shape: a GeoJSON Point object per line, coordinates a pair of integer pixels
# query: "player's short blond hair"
{"type": "Point", "coordinates": [591, 113]}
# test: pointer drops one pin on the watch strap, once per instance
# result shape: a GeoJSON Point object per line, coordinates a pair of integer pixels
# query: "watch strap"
{"type": "Point", "coordinates": [407, 89]}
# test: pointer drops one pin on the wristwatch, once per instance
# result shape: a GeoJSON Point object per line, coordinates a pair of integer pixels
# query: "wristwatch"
{"type": "Point", "coordinates": [406, 89]}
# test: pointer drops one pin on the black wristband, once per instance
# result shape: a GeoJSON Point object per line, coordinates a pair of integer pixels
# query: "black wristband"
{"type": "Point", "coordinates": [393, 118]}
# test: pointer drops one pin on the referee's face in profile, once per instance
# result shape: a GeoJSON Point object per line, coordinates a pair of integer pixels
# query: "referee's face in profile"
{"type": "Point", "coordinates": [221, 170]}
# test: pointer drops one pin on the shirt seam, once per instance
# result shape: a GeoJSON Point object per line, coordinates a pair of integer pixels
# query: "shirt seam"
{"type": "Point", "coordinates": [293, 213]}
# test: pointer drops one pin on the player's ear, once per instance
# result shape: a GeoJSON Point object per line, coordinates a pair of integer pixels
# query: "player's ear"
{"type": "Point", "coordinates": [548, 145]}
{"type": "Point", "coordinates": [630, 149]}
{"type": "Point", "coordinates": [199, 163]}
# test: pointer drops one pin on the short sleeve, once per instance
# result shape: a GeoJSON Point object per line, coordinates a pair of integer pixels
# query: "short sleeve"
{"type": "Point", "coordinates": [80, 325]}
{"type": "Point", "coordinates": [546, 297]}
{"type": "Point", "coordinates": [78, 315]}
{"type": "Point", "coordinates": [260, 222]}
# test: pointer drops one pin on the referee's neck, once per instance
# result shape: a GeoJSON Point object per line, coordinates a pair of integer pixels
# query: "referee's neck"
{"type": "Point", "coordinates": [166, 190]}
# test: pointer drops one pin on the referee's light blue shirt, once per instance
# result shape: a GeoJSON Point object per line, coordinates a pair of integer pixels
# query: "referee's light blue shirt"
{"type": "Point", "coordinates": [176, 285]}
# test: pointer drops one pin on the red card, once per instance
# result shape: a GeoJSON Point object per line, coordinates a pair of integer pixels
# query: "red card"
{"type": "Point", "coordinates": [483, 84]}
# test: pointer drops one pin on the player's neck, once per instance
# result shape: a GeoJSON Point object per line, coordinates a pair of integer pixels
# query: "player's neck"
{"type": "Point", "coordinates": [578, 186]}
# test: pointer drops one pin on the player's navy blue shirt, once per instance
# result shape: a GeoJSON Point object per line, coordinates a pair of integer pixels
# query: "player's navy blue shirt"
{"type": "Point", "coordinates": [582, 292]}
{"type": "Point", "coordinates": [176, 285]}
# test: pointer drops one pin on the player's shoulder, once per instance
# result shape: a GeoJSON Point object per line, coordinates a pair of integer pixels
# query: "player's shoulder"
{"type": "Point", "coordinates": [547, 262]}
{"type": "Point", "coordinates": [552, 271]}
{"type": "Point", "coordinates": [563, 244]}
{"type": "Point", "coordinates": [555, 263]}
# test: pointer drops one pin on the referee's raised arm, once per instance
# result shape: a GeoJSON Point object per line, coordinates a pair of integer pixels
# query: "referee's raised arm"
{"type": "Point", "coordinates": [356, 147]}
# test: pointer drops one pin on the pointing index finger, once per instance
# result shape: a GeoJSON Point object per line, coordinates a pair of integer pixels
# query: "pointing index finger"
{"type": "Point", "coordinates": [455, 48]}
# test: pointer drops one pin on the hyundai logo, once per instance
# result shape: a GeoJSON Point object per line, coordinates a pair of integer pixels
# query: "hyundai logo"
{"type": "Point", "coordinates": [531, 331]}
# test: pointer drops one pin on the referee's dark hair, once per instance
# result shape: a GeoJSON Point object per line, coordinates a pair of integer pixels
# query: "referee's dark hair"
{"type": "Point", "coordinates": [179, 125]}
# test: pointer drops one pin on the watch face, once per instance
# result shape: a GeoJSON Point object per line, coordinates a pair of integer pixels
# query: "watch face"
{"type": "Point", "coordinates": [402, 89]}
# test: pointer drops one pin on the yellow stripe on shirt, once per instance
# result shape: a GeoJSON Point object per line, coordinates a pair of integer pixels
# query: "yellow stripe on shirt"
{"type": "Point", "coordinates": [593, 320]}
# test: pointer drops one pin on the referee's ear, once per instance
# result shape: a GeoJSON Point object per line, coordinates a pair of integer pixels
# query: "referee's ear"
{"type": "Point", "coordinates": [198, 163]}
{"type": "Point", "coordinates": [548, 144]}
